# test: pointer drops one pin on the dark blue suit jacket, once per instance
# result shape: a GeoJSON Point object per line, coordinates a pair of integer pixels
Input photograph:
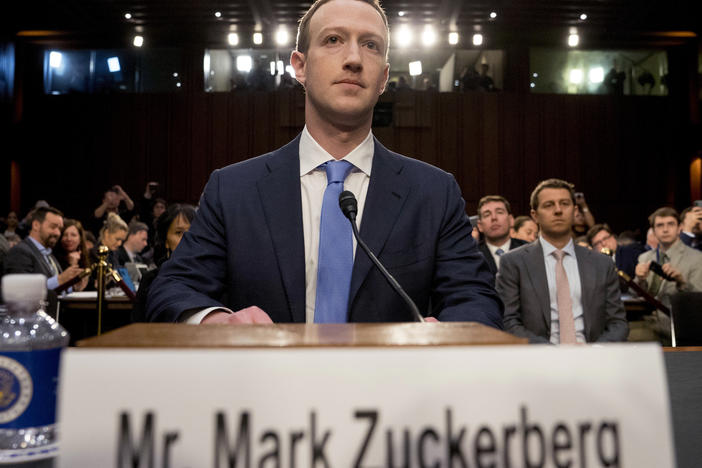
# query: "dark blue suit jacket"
{"type": "Point", "coordinates": [246, 245]}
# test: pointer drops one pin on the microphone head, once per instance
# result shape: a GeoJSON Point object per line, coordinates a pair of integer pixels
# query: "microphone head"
{"type": "Point", "coordinates": [348, 204]}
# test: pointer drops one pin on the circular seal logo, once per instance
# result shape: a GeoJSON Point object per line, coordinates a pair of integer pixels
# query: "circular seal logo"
{"type": "Point", "coordinates": [15, 389]}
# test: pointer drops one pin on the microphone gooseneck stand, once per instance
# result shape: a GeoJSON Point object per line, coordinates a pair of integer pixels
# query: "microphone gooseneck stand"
{"type": "Point", "coordinates": [349, 206]}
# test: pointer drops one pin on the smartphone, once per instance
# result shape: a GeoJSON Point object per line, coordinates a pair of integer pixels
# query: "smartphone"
{"type": "Point", "coordinates": [474, 221]}
{"type": "Point", "coordinates": [579, 195]}
{"type": "Point", "coordinates": [698, 203]}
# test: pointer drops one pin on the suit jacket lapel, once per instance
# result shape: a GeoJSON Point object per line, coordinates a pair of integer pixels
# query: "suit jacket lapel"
{"type": "Point", "coordinates": [387, 193]}
{"type": "Point", "coordinates": [587, 285]}
{"type": "Point", "coordinates": [537, 275]}
{"type": "Point", "coordinates": [45, 268]}
{"type": "Point", "coordinates": [485, 250]}
{"type": "Point", "coordinates": [282, 206]}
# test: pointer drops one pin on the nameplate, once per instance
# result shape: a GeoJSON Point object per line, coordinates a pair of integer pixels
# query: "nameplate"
{"type": "Point", "coordinates": [517, 406]}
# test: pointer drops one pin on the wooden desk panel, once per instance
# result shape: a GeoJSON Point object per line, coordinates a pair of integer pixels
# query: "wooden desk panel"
{"type": "Point", "coordinates": [169, 335]}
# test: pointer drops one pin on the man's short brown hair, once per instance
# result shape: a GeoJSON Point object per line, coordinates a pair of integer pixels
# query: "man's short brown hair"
{"type": "Point", "coordinates": [493, 198]}
{"type": "Point", "coordinates": [303, 29]}
{"type": "Point", "coordinates": [39, 214]}
{"type": "Point", "coordinates": [594, 230]}
{"type": "Point", "coordinates": [664, 212]}
{"type": "Point", "coordinates": [550, 183]}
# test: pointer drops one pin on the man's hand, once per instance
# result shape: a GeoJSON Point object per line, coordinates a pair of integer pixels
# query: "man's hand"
{"type": "Point", "coordinates": [251, 314]}
{"type": "Point", "coordinates": [69, 273]}
{"type": "Point", "coordinates": [431, 319]}
{"type": "Point", "coordinates": [642, 270]}
{"type": "Point", "coordinates": [674, 273]}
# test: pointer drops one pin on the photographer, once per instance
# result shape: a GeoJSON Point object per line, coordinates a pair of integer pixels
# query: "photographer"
{"type": "Point", "coordinates": [115, 200]}
{"type": "Point", "coordinates": [583, 219]}
{"type": "Point", "coordinates": [672, 267]}
{"type": "Point", "coordinates": [691, 227]}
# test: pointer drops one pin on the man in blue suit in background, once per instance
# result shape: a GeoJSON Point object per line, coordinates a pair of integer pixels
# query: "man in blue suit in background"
{"type": "Point", "coordinates": [266, 246]}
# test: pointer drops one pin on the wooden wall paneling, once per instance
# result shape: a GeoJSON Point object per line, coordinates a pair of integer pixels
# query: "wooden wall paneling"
{"type": "Point", "coordinates": [512, 152]}
{"type": "Point", "coordinates": [532, 134]}
{"type": "Point", "coordinates": [490, 136]}
{"type": "Point", "coordinates": [262, 122]}
{"type": "Point", "coordinates": [469, 167]}
{"type": "Point", "coordinates": [448, 147]}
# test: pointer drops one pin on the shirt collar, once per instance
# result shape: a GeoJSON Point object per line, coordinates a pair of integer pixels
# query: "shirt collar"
{"type": "Point", "coordinates": [43, 250]}
{"type": "Point", "coordinates": [312, 155]}
{"type": "Point", "coordinates": [504, 247]}
{"type": "Point", "coordinates": [549, 248]}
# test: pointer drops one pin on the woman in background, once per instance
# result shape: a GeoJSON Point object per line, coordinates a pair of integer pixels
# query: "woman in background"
{"type": "Point", "coordinates": [71, 249]}
{"type": "Point", "coordinates": [170, 227]}
{"type": "Point", "coordinates": [113, 233]}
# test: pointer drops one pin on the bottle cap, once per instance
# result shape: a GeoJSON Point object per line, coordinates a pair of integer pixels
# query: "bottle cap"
{"type": "Point", "coordinates": [23, 287]}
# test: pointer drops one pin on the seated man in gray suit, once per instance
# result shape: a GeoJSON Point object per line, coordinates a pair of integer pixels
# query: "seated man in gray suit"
{"type": "Point", "coordinates": [553, 290]}
{"type": "Point", "coordinates": [33, 254]}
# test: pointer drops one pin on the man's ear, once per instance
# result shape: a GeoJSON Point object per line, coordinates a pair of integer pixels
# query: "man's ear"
{"type": "Point", "coordinates": [386, 75]}
{"type": "Point", "coordinates": [36, 225]}
{"type": "Point", "coordinates": [533, 216]}
{"type": "Point", "coordinates": [297, 60]}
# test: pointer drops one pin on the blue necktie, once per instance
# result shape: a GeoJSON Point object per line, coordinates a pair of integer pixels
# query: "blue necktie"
{"type": "Point", "coordinates": [335, 250]}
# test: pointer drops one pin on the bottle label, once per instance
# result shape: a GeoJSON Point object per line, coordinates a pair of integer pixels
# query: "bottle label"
{"type": "Point", "coordinates": [28, 386]}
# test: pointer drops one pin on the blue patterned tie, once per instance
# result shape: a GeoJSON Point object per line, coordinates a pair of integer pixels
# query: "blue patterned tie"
{"type": "Point", "coordinates": [335, 250]}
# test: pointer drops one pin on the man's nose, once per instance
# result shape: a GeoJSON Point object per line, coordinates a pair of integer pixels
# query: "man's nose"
{"type": "Point", "coordinates": [352, 59]}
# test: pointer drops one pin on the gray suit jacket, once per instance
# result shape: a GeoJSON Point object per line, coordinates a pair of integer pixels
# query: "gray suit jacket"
{"type": "Point", "coordinates": [523, 287]}
{"type": "Point", "coordinates": [26, 258]}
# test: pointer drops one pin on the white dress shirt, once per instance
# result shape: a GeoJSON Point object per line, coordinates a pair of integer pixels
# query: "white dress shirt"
{"type": "Point", "coordinates": [493, 250]}
{"type": "Point", "coordinates": [313, 183]}
{"type": "Point", "coordinates": [570, 264]}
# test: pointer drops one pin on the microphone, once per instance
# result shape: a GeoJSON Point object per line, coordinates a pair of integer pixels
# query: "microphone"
{"type": "Point", "coordinates": [349, 207]}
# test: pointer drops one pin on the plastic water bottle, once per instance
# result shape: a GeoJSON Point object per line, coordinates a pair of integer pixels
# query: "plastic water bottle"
{"type": "Point", "coordinates": [30, 350]}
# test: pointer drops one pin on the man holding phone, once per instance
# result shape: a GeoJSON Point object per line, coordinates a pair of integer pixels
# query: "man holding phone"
{"type": "Point", "coordinates": [672, 267]}
{"type": "Point", "coordinates": [691, 226]}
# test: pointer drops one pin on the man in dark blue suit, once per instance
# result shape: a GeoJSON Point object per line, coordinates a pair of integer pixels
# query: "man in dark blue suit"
{"type": "Point", "coordinates": [254, 252]}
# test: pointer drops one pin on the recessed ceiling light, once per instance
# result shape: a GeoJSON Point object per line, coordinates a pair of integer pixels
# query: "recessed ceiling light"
{"type": "Point", "coordinates": [127, 16]}
{"type": "Point", "coordinates": [401, 13]}
{"type": "Point", "coordinates": [218, 14]}
{"type": "Point", "coordinates": [583, 17]}
{"type": "Point", "coordinates": [453, 38]}
{"type": "Point", "coordinates": [493, 15]}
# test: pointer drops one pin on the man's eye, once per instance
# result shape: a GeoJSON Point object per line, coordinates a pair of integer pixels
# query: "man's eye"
{"type": "Point", "coordinates": [333, 40]}
{"type": "Point", "coordinates": [371, 45]}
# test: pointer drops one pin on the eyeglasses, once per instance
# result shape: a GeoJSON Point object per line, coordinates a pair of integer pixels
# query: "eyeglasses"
{"type": "Point", "coordinates": [602, 241]}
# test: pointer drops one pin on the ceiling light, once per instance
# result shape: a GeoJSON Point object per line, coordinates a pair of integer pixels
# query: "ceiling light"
{"type": "Point", "coordinates": [281, 67]}
{"type": "Point", "coordinates": [218, 14]}
{"type": "Point", "coordinates": [583, 17]}
{"type": "Point", "coordinates": [596, 75]}
{"type": "Point", "coordinates": [428, 36]}
{"type": "Point", "coordinates": [290, 70]}
{"type": "Point", "coordinates": [453, 38]}
{"type": "Point", "coordinates": [175, 74]}
{"type": "Point", "coordinates": [404, 36]}
{"type": "Point", "coordinates": [477, 39]}
{"type": "Point", "coordinates": [401, 13]}
{"type": "Point", "coordinates": [415, 68]}
{"type": "Point", "coordinates": [535, 75]}
{"type": "Point", "coordinates": [493, 15]}
{"type": "Point", "coordinates": [55, 59]}
{"type": "Point", "coordinates": [573, 40]}
{"type": "Point", "coordinates": [233, 39]}
{"type": "Point", "coordinates": [272, 66]}
{"type": "Point", "coordinates": [178, 85]}
{"type": "Point", "coordinates": [138, 41]}
{"type": "Point", "coordinates": [258, 38]}
{"type": "Point", "coordinates": [282, 37]}
{"type": "Point", "coordinates": [128, 16]}
{"type": "Point", "coordinates": [533, 85]}
{"type": "Point", "coordinates": [244, 63]}
{"type": "Point", "coordinates": [576, 76]}
{"type": "Point", "coordinates": [113, 64]}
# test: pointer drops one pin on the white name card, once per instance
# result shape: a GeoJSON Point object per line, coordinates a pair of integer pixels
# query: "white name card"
{"type": "Point", "coordinates": [518, 406]}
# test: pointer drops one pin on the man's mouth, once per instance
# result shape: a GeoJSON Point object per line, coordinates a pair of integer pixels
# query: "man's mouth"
{"type": "Point", "coordinates": [351, 82]}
